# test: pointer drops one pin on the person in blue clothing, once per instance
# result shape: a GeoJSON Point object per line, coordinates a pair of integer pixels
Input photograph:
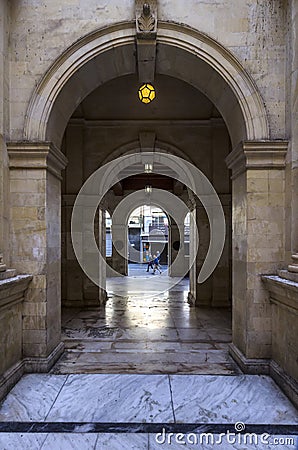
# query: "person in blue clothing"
{"type": "Point", "coordinates": [156, 264]}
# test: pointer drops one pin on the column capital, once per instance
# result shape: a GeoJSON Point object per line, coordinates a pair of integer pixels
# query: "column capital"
{"type": "Point", "coordinates": [257, 155]}
{"type": "Point", "coordinates": [36, 155]}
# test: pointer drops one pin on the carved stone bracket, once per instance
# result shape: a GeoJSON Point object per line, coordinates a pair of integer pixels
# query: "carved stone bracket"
{"type": "Point", "coordinates": [146, 31]}
{"type": "Point", "coordinates": [146, 19]}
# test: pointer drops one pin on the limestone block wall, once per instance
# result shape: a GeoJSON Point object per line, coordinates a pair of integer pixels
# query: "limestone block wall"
{"type": "Point", "coordinates": [11, 329]}
{"type": "Point", "coordinates": [284, 364]}
{"type": "Point", "coordinates": [254, 33]}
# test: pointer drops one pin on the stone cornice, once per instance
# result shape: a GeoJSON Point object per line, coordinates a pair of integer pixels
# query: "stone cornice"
{"type": "Point", "coordinates": [257, 155]}
{"type": "Point", "coordinates": [36, 155]}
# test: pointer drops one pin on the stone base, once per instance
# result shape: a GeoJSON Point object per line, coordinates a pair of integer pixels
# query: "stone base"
{"type": "Point", "coordinates": [10, 378]}
{"type": "Point", "coordinates": [267, 367]}
{"type": "Point", "coordinates": [285, 382]}
{"type": "Point", "coordinates": [250, 366]}
{"type": "Point", "coordinates": [28, 365]}
{"type": "Point", "coordinates": [43, 364]}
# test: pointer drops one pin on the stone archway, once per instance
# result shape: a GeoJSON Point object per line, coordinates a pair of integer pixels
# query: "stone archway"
{"type": "Point", "coordinates": [109, 53]}
{"type": "Point", "coordinates": [189, 55]}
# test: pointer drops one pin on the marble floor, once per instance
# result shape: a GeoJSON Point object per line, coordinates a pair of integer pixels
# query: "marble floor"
{"type": "Point", "coordinates": [146, 372]}
{"type": "Point", "coordinates": [150, 335]}
{"type": "Point", "coordinates": [95, 411]}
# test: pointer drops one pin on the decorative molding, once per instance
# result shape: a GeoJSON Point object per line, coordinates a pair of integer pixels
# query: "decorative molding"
{"type": "Point", "coordinates": [250, 366]}
{"type": "Point", "coordinates": [252, 112]}
{"type": "Point", "coordinates": [36, 155]}
{"type": "Point", "coordinates": [43, 364]}
{"type": "Point", "coordinates": [146, 31]}
{"type": "Point", "coordinates": [257, 155]}
{"type": "Point", "coordinates": [146, 19]}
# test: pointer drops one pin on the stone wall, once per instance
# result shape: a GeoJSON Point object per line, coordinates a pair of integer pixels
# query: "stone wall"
{"type": "Point", "coordinates": [40, 32]}
{"type": "Point", "coordinates": [12, 289]}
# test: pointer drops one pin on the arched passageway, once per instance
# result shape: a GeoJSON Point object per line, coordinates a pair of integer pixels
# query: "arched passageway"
{"type": "Point", "coordinates": [219, 116]}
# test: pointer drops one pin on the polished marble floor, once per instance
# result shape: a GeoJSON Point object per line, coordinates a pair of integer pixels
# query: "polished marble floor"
{"type": "Point", "coordinates": [139, 366]}
{"type": "Point", "coordinates": [124, 401]}
{"type": "Point", "coordinates": [134, 333]}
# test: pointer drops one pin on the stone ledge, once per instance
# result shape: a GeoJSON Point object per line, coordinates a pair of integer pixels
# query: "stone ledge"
{"type": "Point", "coordinates": [282, 291]}
{"type": "Point", "coordinates": [291, 276]}
{"type": "Point", "coordinates": [9, 273]}
{"type": "Point", "coordinates": [12, 290]}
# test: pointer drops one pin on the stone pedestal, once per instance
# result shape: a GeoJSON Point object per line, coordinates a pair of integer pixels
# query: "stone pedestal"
{"type": "Point", "coordinates": [258, 241]}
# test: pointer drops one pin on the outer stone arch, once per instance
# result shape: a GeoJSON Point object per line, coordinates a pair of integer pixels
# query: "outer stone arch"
{"type": "Point", "coordinates": [108, 53]}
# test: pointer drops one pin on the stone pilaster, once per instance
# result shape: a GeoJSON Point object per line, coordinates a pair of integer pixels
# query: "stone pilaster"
{"type": "Point", "coordinates": [35, 179]}
{"type": "Point", "coordinates": [258, 239]}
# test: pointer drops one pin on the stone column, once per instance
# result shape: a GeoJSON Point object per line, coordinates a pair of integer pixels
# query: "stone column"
{"type": "Point", "coordinates": [258, 217]}
{"type": "Point", "coordinates": [174, 246]}
{"type": "Point", "coordinates": [35, 179]}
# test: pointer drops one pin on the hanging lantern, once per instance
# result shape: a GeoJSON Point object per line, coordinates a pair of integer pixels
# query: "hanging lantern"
{"type": "Point", "coordinates": [146, 93]}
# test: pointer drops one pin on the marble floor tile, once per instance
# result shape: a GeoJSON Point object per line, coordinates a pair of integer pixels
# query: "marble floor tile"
{"type": "Point", "coordinates": [70, 441]}
{"type": "Point", "coordinates": [244, 398]}
{"type": "Point", "coordinates": [122, 441]}
{"type": "Point", "coordinates": [32, 397]}
{"type": "Point", "coordinates": [114, 398]}
{"type": "Point", "coordinates": [22, 441]}
{"type": "Point", "coordinates": [193, 334]}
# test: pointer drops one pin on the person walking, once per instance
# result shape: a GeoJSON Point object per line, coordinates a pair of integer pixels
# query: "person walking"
{"type": "Point", "coordinates": [156, 263]}
{"type": "Point", "coordinates": [150, 263]}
